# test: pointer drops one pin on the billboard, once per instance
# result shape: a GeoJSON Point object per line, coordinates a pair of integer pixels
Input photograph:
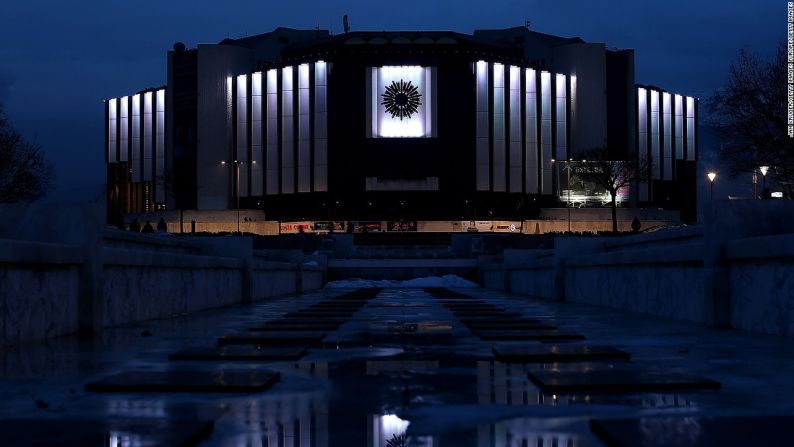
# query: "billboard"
{"type": "Point", "coordinates": [578, 190]}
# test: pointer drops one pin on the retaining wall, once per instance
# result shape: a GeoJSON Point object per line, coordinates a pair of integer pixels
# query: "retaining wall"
{"type": "Point", "coordinates": [94, 277]}
{"type": "Point", "coordinates": [734, 270]}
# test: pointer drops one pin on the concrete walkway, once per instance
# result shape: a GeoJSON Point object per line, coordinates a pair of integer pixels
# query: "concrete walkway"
{"type": "Point", "coordinates": [403, 365]}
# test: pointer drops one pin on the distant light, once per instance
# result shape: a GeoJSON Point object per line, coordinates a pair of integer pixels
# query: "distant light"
{"type": "Point", "coordinates": [712, 176]}
{"type": "Point", "coordinates": [777, 194]}
{"type": "Point", "coordinates": [553, 160]}
{"type": "Point", "coordinates": [764, 170]}
{"type": "Point", "coordinates": [223, 162]}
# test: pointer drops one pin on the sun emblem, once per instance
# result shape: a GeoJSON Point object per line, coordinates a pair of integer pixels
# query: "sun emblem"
{"type": "Point", "coordinates": [402, 99]}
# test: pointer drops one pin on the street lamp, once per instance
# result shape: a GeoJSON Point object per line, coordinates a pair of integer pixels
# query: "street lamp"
{"type": "Point", "coordinates": [237, 164]}
{"type": "Point", "coordinates": [568, 165]}
{"type": "Point", "coordinates": [712, 176]}
{"type": "Point", "coordinates": [764, 170]}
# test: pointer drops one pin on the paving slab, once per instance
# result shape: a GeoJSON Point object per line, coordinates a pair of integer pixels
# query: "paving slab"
{"type": "Point", "coordinates": [300, 338]}
{"type": "Point", "coordinates": [557, 353]}
{"type": "Point", "coordinates": [240, 352]}
{"type": "Point", "coordinates": [696, 431]}
{"type": "Point", "coordinates": [313, 327]}
{"type": "Point", "coordinates": [194, 381]}
{"type": "Point", "coordinates": [440, 292]}
{"type": "Point", "coordinates": [103, 432]}
{"type": "Point", "coordinates": [619, 381]}
{"type": "Point", "coordinates": [495, 321]}
{"type": "Point", "coordinates": [543, 335]}
{"type": "Point", "coordinates": [500, 314]}
{"type": "Point", "coordinates": [318, 314]}
{"type": "Point", "coordinates": [286, 321]}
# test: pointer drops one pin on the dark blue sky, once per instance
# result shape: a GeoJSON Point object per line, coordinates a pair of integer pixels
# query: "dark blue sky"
{"type": "Point", "coordinates": [59, 59]}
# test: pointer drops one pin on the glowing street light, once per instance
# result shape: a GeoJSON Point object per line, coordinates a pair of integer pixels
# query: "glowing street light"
{"type": "Point", "coordinates": [764, 170]}
{"type": "Point", "coordinates": [712, 176]}
{"type": "Point", "coordinates": [237, 164]}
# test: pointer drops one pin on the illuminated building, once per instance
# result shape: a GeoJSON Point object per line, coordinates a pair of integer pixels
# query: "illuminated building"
{"type": "Point", "coordinates": [413, 125]}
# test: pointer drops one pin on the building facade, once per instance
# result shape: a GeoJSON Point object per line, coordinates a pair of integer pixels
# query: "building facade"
{"type": "Point", "coordinates": [393, 125]}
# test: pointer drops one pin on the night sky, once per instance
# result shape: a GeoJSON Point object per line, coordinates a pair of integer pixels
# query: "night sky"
{"type": "Point", "coordinates": [59, 59]}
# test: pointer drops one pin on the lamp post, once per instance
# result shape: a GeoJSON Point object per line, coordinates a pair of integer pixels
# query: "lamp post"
{"type": "Point", "coordinates": [712, 176]}
{"type": "Point", "coordinates": [237, 164]}
{"type": "Point", "coordinates": [764, 170]}
{"type": "Point", "coordinates": [568, 166]}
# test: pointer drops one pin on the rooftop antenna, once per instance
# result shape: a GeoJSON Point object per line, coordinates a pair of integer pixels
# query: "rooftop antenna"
{"type": "Point", "coordinates": [526, 24]}
{"type": "Point", "coordinates": [346, 24]}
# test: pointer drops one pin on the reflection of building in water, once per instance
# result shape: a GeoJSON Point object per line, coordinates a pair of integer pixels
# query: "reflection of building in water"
{"type": "Point", "coordinates": [285, 420]}
{"type": "Point", "coordinates": [136, 408]}
{"type": "Point", "coordinates": [375, 367]}
{"type": "Point", "coordinates": [509, 384]}
{"type": "Point", "coordinates": [388, 430]}
{"type": "Point", "coordinates": [525, 432]}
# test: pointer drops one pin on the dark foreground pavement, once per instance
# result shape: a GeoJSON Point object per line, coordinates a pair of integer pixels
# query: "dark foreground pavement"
{"type": "Point", "coordinates": [400, 367]}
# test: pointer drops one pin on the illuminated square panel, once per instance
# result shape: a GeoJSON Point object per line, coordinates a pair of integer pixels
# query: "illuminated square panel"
{"type": "Point", "coordinates": [401, 102]}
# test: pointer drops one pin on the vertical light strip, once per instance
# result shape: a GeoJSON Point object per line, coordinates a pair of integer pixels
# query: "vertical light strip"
{"type": "Point", "coordinates": [112, 131]}
{"type": "Point", "coordinates": [272, 168]}
{"type": "Point", "coordinates": [642, 137]}
{"type": "Point", "coordinates": [159, 170]}
{"type": "Point", "coordinates": [241, 152]}
{"type": "Point", "coordinates": [667, 137]}
{"type": "Point", "coordinates": [679, 127]}
{"type": "Point", "coordinates": [531, 116]}
{"type": "Point", "coordinates": [482, 134]}
{"type": "Point", "coordinates": [572, 115]}
{"type": "Point", "coordinates": [656, 159]}
{"type": "Point", "coordinates": [124, 129]}
{"type": "Point", "coordinates": [287, 132]}
{"type": "Point", "coordinates": [430, 101]}
{"type": "Point", "coordinates": [148, 137]}
{"type": "Point", "coordinates": [304, 130]}
{"type": "Point", "coordinates": [321, 126]}
{"type": "Point", "coordinates": [690, 128]}
{"type": "Point", "coordinates": [499, 151]}
{"type": "Point", "coordinates": [257, 182]}
{"type": "Point", "coordinates": [561, 115]}
{"type": "Point", "coordinates": [516, 155]}
{"type": "Point", "coordinates": [136, 154]}
{"type": "Point", "coordinates": [546, 154]}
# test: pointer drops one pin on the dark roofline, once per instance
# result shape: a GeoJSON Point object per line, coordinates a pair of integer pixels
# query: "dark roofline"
{"type": "Point", "coordinates": [324, 44]}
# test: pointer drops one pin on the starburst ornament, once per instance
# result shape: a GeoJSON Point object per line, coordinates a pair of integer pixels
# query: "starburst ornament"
{"type": "Point", "coordinates": [402, 99]}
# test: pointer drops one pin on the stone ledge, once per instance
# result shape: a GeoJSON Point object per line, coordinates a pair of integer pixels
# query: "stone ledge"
{"type": "Point", "coordinates": [273, 265]}
{"type": "Point", "coordinates": [141, 258]}
{"type": "Point", "coordinates": [149, 239]}
{"type": "Point", "coordinates": [40, 253]}
{"type": "Point", "coordinates": [673, 235]}
{"type": "Point", "coordinates": [779, 246]}
{"type": "Point", "coordinates": [682, 254]}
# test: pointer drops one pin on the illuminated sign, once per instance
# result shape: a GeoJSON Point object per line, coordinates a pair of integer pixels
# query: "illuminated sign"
{"type": "Point", "coordinates": [401, 102]}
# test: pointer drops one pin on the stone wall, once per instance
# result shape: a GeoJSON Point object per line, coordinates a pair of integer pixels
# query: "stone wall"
{"type": "Point", "coordinates": [39, 285]}
{"type": "Point", "coordinates": [61, 273]}
{"type": "Point", "coordinates": [734, 270]}
{"type": "Point", "coordinates": [762, 284]}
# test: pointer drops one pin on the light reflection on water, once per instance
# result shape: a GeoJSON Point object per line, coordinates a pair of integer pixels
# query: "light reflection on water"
{"type": "Point", "coordinates": [509, 384]}
{"type": "Point", "coordinates": [388, 430]}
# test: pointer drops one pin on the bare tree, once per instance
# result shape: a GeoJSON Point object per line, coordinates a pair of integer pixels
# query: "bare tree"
{"type": "Point", "coordinates": [25, 175]}
{"type": "Point", "coordinates": [749, 117]}
{"type": "Point", "coordinates": [612, 175]}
